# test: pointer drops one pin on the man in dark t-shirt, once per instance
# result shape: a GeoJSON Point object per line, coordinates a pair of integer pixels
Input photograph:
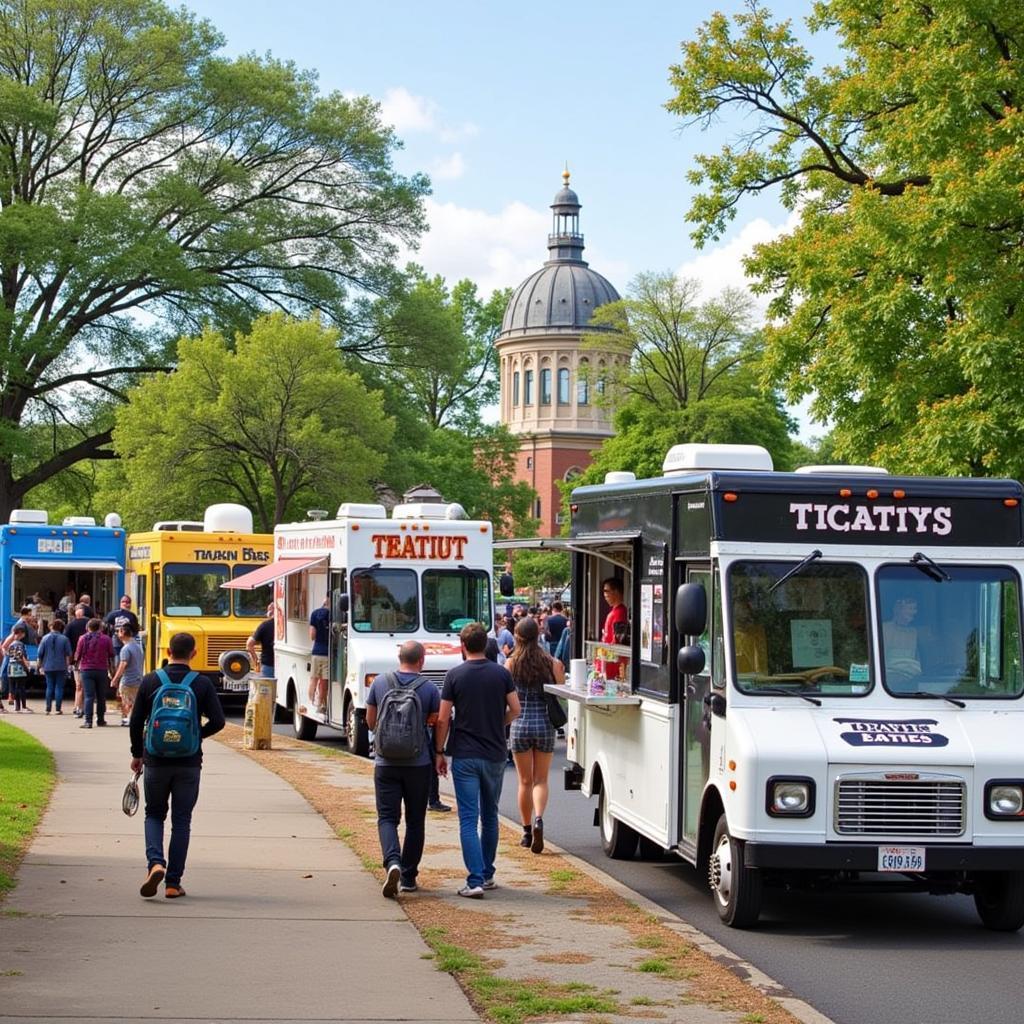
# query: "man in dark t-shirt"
{"type": "Point", "coordinates": [554, 625]}
{"type": "Point", "coordinates": [263, 637]}
{"type": "Point", "coordinates": [485, 701]}
{"type": "Point", "coordinates": [121, 616]}
{"type": "Point", "coordinates": [74, 633]}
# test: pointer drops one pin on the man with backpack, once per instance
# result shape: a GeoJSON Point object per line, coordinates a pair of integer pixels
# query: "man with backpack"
{"type": "Point", "coordinates": [399, 709]}
{"type": "Point", "coordinates": [166, 736]}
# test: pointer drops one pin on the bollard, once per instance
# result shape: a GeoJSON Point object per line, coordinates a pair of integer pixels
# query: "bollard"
{"type": "Point", "coordinates": [259, 713]}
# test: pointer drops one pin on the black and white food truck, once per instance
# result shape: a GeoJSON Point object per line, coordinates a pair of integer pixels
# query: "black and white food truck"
{"type": "Point", "coordinates": [820, 682]}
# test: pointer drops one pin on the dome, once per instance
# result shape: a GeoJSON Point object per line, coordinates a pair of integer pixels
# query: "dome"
{"type": "Point", "coordinates": [566, 197]}
{"type": "Point", "coordinates": [561, 296]}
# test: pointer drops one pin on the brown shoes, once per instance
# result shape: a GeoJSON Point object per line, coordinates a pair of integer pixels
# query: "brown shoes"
{"type": "Point", "coordinates": [153, 880]}
{"type": "Point", "coordinates": [173, 892]}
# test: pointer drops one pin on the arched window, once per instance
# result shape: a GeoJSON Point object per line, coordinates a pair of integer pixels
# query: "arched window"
{"type": "Point", "coordinates": [582, 383]}
{"type": "Point", "coordinates": [528, 387]}
{"type": "Point", "coordinates": [563, 386]}
{"type": "Point", "coordinates": [571, 473]}
{"type": "Point", "coordinates": [515, 388]}
{"type": "Point", "coordinates": [599, 383]}
{"type": "Point", "coordinates": [545, 386]}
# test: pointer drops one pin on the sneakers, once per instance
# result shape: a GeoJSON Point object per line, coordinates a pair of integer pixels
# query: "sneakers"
{"type": "Point", "coordinates": [537, 846]}
{"type": "Point", "coordinates": [472, 892]}
{"type": "Point", "coordinates": [438, 807]}
{"type": "Point", "coordinates": [527, 841]}
{"type": "Point", "coordinates": [124, 719]}
{"type": "Point", "coordinates": [390, 886]}
{"type": "Point", "coordinates": [173, 892]}
{"type": "Point", "coordinates": [489, 884]}
{"type": "Point", "coordinates": [153, 879]}
{"type": "Point", "coordinates": [85, 725]}
{"type": "Point", "coordinates": [101, 724]}
{"type": "Point", "coordinates": [408, 887]}
{"type": "Point", "coordinates": [58, 712]}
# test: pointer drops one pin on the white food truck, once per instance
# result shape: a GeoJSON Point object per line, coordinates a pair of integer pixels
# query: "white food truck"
{"type": "Point", "coordinates": [820, 684]}
{"type": "Point", "coordinates": [421, 575]}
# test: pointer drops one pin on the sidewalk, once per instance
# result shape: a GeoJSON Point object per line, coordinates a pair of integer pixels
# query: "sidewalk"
{"type": "Point", "coordinates": [281, 921]}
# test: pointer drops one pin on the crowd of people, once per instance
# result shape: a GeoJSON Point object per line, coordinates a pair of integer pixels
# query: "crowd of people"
{"type": "Point", "coordinates": [98, 656]}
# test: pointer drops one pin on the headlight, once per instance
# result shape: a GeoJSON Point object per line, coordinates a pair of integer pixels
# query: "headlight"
{"type": "Point", "coordinates": [790, 798]}
{"type": "Point", "coordinates": [1004, 798]}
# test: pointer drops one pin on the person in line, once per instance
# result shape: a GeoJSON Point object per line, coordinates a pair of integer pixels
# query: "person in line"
{"type": "Point", "coordinates": [67, 602]}
{"type": "Point", "coordinates": [611, 588]}
{"type": "Point", "coordinates": [93, 656]}
{"type": "Point", "coordinates": [263, 637]}
{"type": "Point", "coordinates": [554, 625]}
{"type": "Point", "coordinates": [54, 657]}
{"type": "Point", "coordinates": [18, 667]}
{"type": "Point", "coordinates": [506, 641]}
{"type": "Point", "coordinates": [128, 674]}
{"type": "Point", "coordinates": [484, 700]}
{"type": "Point", "coordinates": [563, 652]}
{"type": "Point", "coordinates": [403, 782]}
{"type": "Point", "coordinates": [319, 630]}
{"type": "Point", "coordinates": [532, 735]}
{"type": "Point", "coordinates": [86, 602]}
{"type": "Point", "coordinates": [113, 621]}
{"type": "Point", "coordinates": [171, 781]}
{"type": "Point", "coordinates": [75, 631]}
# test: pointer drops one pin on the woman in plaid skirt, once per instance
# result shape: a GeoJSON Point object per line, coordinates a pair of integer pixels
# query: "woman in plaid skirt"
{"type": "Point", "coordinates": [532, 734]}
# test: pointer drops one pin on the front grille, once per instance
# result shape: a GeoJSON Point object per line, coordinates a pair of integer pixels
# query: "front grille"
{"type": "Point", "coordinates": [930, 806]}
{"type": "Point", "coordinates": [435, 677]}
{"type": "Point", "coordinates": [218, 643]}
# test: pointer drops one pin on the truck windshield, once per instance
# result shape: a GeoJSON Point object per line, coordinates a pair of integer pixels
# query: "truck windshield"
{"type": "Point", "coordinates": [251, 604]}
{"type": "Point", "coordinates": [808, 635]}
{"type": "Point", "coordinates": [195, 589]}
{"type": "Point", "coordinates": [452, 598]}
{"type": "Point", "coordinates": [959, 637]}
{"type": "Point", "coordinates": [384, 601]}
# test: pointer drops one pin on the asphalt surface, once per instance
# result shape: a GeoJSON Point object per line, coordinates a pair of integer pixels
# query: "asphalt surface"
{"type": "Point", "coordinates": [859, 958]}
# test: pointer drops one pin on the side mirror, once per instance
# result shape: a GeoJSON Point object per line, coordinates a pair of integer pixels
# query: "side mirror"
{"type": "Point", "coordinates": [691, 609]}
{"type": "Point", "coordinates": [690, 660]}
{"type": "Point", "coordinates": [341, 602]}
{"type": "Point", "coordinates": [715, 703]}
{"type": "Point", "coordinates": [506, 585]}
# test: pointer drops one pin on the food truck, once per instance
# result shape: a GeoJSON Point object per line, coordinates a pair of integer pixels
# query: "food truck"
{"type": "Point", "coordinates": [820, 683]}
{"type": "Point", "coordinates": [421, 574]}
{"type": "Point", "coordinates": [175, 572]}
{"type": "Point", "coordinates": [44, 559]}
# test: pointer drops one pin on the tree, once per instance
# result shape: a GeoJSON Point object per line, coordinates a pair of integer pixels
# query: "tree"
{"type": "Point", "coordinates": [275, 422]}
{"type": "Point", "coordinates": [538, 570]}
{"type": "Point", "coordinates": [897, 297]}
{"type": "Point", "coordinates": [438, 347]}
{"type": "Point", "coordinates": [148, 185]}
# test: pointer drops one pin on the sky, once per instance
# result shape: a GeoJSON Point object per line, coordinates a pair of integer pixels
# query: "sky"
{"type": "Point", "coordinates": [493, 100]}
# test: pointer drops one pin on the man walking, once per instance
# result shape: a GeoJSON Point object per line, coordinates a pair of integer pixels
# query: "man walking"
{"type": "Point", "coordinates": [485, 701]}
{"type": "Point", "coordinates": [75, 631]}
{"type": "Point", "coordinates": [405, 780]}
{"type": "Point", "coordinates": [171, 781]}
{"type": "Point", "coordinates": [128, 674]}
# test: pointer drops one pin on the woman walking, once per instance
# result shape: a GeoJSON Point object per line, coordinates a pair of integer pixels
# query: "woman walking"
{"type": "Point", "coordinates": [533, 735]}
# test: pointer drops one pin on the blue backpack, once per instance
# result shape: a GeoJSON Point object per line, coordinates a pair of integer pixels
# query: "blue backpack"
{"type": "Point", "coordinates": [173, 726]}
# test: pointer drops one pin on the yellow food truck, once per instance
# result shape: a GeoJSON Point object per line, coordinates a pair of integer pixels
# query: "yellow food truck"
{"type": "Point", "coordinates": [174, 574]}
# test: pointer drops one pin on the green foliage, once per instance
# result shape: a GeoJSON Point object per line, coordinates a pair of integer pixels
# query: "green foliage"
{"type": "Point", "coordinates": [275, 422]}
{"type": "Point", "coordinates": [539, 570]}
{"type": "Point", "coordinates": [898, 295]}
{"type": "Point", "coordinates": [143, 172]}
{"type": "Point", "coordinates": [28, 778]}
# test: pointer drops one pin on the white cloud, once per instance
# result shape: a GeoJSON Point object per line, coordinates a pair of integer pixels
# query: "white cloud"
{"type": "Point", "coordinates": [410, 114]}
{"type": "Point", "coordinates": [496, 250]}
{"type": "Point", "coordinates": [448, 168]}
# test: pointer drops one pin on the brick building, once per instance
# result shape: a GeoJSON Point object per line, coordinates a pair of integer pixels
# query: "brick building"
{"type": "Point", "coordinates": [548, 383]}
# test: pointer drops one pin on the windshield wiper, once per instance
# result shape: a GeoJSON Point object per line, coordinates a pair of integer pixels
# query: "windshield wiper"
{"type": "Point", "coordinates": [924, 694]}
{"type": "Point", "coordinates": [781, 692]}
{"type": "Point", "coordinates": [921, 561]}
{"type": "Point", "coordinates": [799, 567]}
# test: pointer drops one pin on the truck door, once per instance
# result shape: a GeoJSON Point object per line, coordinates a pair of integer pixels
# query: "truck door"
{"type": "Point", "coordinates": [336, 644]}
{"type": "Point", "coordinates": [696, 753]}
{"type": "Point", "coordinates": [156, 601]}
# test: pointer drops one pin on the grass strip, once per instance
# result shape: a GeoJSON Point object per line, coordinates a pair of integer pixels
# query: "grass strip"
{"type": "Point", "coordinates": [28, 779]}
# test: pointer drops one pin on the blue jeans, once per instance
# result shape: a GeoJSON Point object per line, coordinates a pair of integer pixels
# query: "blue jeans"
{"type": "Point", "coordinates": [95, 682]}
{"type": "Point", "coordinates": [179, 787]}
{"type": "Point", "coordinates": [267, 671]}
{"type": "Point", "coordinates": [478, 790]}
{"type": "Point", "coordinates": [55, 687]}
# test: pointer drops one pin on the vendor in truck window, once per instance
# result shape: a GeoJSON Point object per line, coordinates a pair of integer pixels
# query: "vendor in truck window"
{"type": "Point", "coordinates": [899, 638]}
{"type": "Point", "coordinates": [749, 638]}
{"type": "Point", "coordinates": [611, 588]}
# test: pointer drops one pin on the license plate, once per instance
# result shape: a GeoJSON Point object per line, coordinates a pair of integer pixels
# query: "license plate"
{"type": "Point", "coordinates": [236, 684]}
{"type": "Point", "coordinates": [901, 858]}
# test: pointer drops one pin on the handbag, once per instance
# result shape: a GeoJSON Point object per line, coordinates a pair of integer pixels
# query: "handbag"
{"type": "Point", "coordinates": [556, 713]}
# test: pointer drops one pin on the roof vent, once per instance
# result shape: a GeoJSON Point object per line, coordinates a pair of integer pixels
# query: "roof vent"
{"type": "Point", "coordinates": [316, 514]}
{"type": "Point", "coordinates": [687, 458]}
{"type": "Point", "coordinates": [426, 510]}
{"type": "Point", "coordinates": [112, 521]}
{"type": "Point", "coordinates": [845, 470]}
{"type": "Point", "coordinates": [354, 510]}
{"type": "Point", "coordinates": [29, 516]}
{"type": "Point", "coordinates": [78, 521]}
{"type": "Point", "coordinates": [619, 476]}
{"type": "Point", "coordinates": [227, 518]}
{"type": "Point", "coordinates": [179, 524]}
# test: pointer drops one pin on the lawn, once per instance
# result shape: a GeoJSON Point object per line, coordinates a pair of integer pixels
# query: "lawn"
{"type": "Point", "coordinates": [26, 778]}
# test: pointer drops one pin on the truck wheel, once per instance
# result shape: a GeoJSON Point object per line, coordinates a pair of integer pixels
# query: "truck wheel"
{"type": "Point", "coordinates": [303, 727]}
{"type": "Point", "coordinates": [617, 840]}
{"type": "Point", "coordinates": [999, 900]}
{"type": "Point", "coordinates": [650, 850]}
{"type": "Point", "coordinates": [736, 888]}
{"type": "Point", "coordinates": [357, 735]}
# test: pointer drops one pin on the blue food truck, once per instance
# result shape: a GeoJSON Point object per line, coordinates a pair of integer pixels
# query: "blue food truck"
{"type": "Point", "coordinates": [40, 561]}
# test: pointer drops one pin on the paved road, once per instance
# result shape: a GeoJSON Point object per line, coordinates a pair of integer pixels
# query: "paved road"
{"type": "Point", "coordinates": [859, 958]}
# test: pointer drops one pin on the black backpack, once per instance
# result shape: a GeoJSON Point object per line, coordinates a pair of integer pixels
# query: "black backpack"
{"type": "Point", "coordinates": [400, 733]}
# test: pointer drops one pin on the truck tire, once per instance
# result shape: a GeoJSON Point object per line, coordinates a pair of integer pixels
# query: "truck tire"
{"type": "Point", "coordinates": [650, 850]}
{"type": "Point", "coordinates": [357, 735]}
{"type": "Point", "coordinates": [617, 840]}
{"type": "Point", "coordinates": [303, 727]}
{"type": "Point", "coordinates": [999, 899]}
{"type": "Point", "coordinates": [735, 887]}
